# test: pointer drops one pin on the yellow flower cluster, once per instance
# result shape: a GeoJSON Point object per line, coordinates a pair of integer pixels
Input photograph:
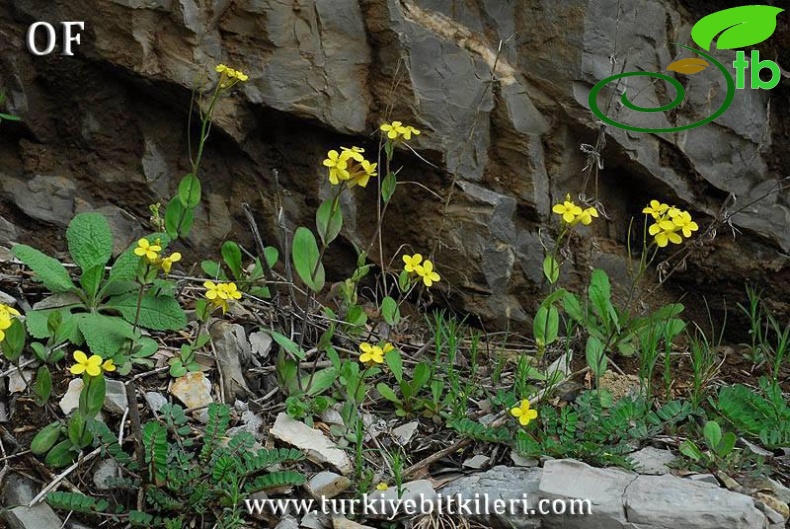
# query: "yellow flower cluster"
{"type": "Point", "coordinates": [397, 130]}
{"type": "Point", "coordinates": [414, 264]}
{"type": "Point", "coordinates": [93, 365]}
{"type": "Point", "coordinates": [572, 214]}
{"type": "Point", "coordinates": [350, 166]}
{"type": "Point", "coordinates": [152, 254]}
{"type": "Point", "coordinates": [524, 413]}
{"type": "Point", "coordinates": [373, 354]}
{"type": "Point", "coordinates": [219, 294]}
{"type": "Point", "coordinates": [6, 314]}
{"type": "Point", "coordinates": [231, 74]}
{"type": "Point", "coordinates": [670, 223]}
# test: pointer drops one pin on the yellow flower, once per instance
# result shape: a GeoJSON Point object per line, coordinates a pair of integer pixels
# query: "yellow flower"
{"type": "Point", "coordinates": [92, 366]}
{"type": "Point", "coordinates": [656, 209]}
{"type": "Point", "coordinates": [412, 263]}
{"type": "Point", "coordinates": [429, 277]}
{"type": "Point", "coordinates": [354, 153]}
{"type": "Point", "coordinates": [241, 76]}
{"type": "Point", "coordinates": [337, 165]}
{"type": "Point", "coordinates": [231, 290]}
{"type": "Point", "coordinates": [214, 291]}
{"type": "Point", "coordinates": [362, 173]}
{"type": "Point", "coordinates": [382, 486]}
{"type": "Point", "coordinates": [524, 413]}
{"type": "Point", "coordinates": [683, 221]}
{"type": "Point", "coordinates": [586, 216]}
{"type": "Point", "coordinates": [370, 354]}
{"type": "Point", "coordinates": [148, 250]}
{"type": "Point", "coordinates": [108, 365]}
{"type": "Point", "coordinates": [665, 232]}
{"type": "Point", "coordinates": [567, 210]}
{"type": "Point", "coordinates": [221, 68]}
{"type": "Point", "coordinates": [407, 131]}
{"type": "Point", "coordinates": [392, 129]}
{"type": "Point", "coordinates": [387, 348]}
{"type": "Point", "coordinates": [167, 262]}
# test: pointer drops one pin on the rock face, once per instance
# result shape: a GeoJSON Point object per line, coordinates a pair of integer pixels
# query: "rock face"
{"type": "Point", "coordinates": [610, 499]}
{"type": "Point", "coordinates": [499, 90]}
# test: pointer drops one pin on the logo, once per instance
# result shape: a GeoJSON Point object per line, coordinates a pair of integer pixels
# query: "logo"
{"type": "Point", "coordinates": [737, 27]}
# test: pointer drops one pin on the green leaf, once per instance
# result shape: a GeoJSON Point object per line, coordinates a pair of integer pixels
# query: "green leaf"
{"type": "Point", "coordinates": [37, 322]}
{"type": "Point", "coordinates": [91, 280]}
{"type": "Point", "coordinates": [691, 450]}
{"type": "Point", "coordinates": [105, 335]}
{"type": "Point", "coordinates": [712, 434]}
{"type": "Point", "coordinates": [395, 363]}
{"type": "Point", "coordinates": [726, 445]}
{"type": "Point", "coordinates": [600, 292]}
{"type": "Point", "coordinates": [43, 385]}
{"type": "Point", "coordinates": [286, 343]}
{"type": "Point", "coordinates": [322, 380]}
{"type": "Point", "coordinates": [388, 185]}
{"type": "Point", "coordinates": [49, 271]}
{"type": "Point", "coordinates": [739, 27]}
{"type": "Point", "coordinates": [60, 455]}
{"type": "Point", "coordinates": [178, 219]}
{"type": "Point", "coordinates": [305, 256]}
{"type": "Point", "coordinates": [189, 191]}
{"type": "Point", "coordinates": [90, 240]}
{"type": "Point", "coordinates": [387, 393]}
{"type": "Point", "coordinates": [231, 254]}
{"type": "Point", "coordinates": [159, 313]}
{"type": "Point", "coordinates": [422, 372]}
{"type": "Point", "coordinates": [328, 220]}
{"type": "Point", "coordinates": [551, 269]}
{"type": "Point", "coordinates": [271, 254]}
{"type": "Point", "coordinates": [596, 358]}
{"type": "Point", "coordinates": [14, 342]}
{"type": "Point", "coordinates": [390, 311]}
{"type": "Point", "coordinates": [573, 308]}
{"type": "Point", "coordinates": [45, 438]}
{"type": "Point", "coordinates": [92, 396]}
{"type": "Point", "coordinates": [77, 431]}
{"type": "Point", "coordinates": [546, 324]}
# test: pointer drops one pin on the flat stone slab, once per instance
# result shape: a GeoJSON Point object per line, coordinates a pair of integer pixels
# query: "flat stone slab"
{"type": "Point", "coordinates": [659, 502]}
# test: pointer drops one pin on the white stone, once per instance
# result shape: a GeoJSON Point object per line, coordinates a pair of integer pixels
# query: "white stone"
{"type": "Point", "coordinates": [155, 400]}
{"type": "Point", "coordinates": [327, 485]}
{"type": "Point", "coordinates": [115, 400]}
{"type": "Point", "coordinates": [71, 399]}
{"type": "Point", "coordinates": [404, 433]}
{"type": "Point", "coordinates": [105, 471]}
{"type": "Point", "coordinates": [652, 461]}
{"type": "Point", "coordinates": [314, 443]}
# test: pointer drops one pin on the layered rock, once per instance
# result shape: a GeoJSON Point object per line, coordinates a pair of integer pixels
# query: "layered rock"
{"type": "Point", "coordinates": [499, 89]}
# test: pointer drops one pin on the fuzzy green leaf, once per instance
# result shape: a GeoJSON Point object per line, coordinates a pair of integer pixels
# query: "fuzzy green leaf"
{"type": "Point", "coordinates": [305, 255]}
{"type": "Point", "coordinates": [105, 335]}
{"type": "Point", "coordinates": [49, 271]}
{"type": "Point", "coordinates": [159, 313]}
{"type": "Point", "coordinates": [90, 240]}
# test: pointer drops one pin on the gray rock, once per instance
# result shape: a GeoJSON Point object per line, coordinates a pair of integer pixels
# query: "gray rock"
{"type": "Point", "coordinates": [327, 485]}
{"type": "Point", "coordinates": [115, 400]}
{"type": "Point", "coordinates": [44, 198]}
{"type": "Point", "coordinates": [705, 478]}
{"type": "Point", "coordinates": [155, 400]}
{"type": "Point", "coordinates": [8, 232]}
{"type": "Point", "coordinates": [665, 501]}
{"type": "Point", "coordinates": [504, 483]}
{"type": "Point", "coordinates": [231, 345]}
{"type": "Point", "coordinates": [19, 490]}
{"type": "Point", "coordinates": [414, 492]}
{"type": "Point", "coordinates": [288, 522]}
{"type": "Point", "coordinates": [71, 399]}
{"type": "Point", "coordinates": [652, 461]}
{"type": "Point", "coordinates": [319, 448]}
{"type": "Point", "coordinates": [604, 488]}
{"type": "Point", "coordinates": [106, 470]}
{"type": "Point", "coordinates": [40, 516]}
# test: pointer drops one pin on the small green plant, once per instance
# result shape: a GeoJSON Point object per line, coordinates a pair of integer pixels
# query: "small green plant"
{"type": "Point", "coordinates": [719, 453]}
{"type": "Point", "coordinates": [190, 477]}
{"type": "Point", "coordinates": [763, 414]}
{"type": "Point", "coordinates": [248, 280]}
{"type": "Point", "coordinates": [105, 309]}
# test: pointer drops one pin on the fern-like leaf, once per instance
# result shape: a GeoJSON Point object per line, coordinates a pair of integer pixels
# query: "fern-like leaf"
{"type": "Point", "coordinates": [283, 478]}
{"type": "Point", "coordinates": [155, 445]}
{"type": "Point", "coordinates": [72, 501]}
{"type": "Point", "coordinates": [266, 458]}
{"type": "Point", "coordinates": [480, 432]}
{"type": "Point", "coordinates": [218, 422]}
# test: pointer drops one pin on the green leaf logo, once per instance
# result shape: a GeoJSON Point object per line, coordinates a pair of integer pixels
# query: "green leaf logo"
{"type": "Point", "coordinates": [739, 27]}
